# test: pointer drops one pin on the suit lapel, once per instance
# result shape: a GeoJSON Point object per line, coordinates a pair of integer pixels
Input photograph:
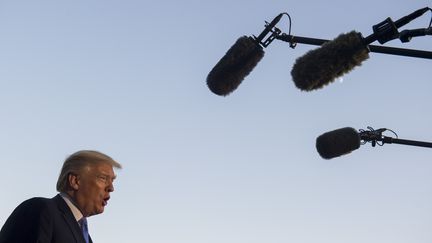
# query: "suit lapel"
{"type": "Point", "coordinates": [69, 219]}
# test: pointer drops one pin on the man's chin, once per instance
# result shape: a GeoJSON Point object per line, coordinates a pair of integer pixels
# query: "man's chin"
{"type": "Point", "coordinates": [101, 210]}
{"type": "Point", "coordinates": [97, 211]}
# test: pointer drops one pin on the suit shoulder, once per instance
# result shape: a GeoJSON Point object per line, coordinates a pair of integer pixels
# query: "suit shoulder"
{"type": "Point", "coordinates": [25, 219]}
{"type": "Point", "coordinates": [35, 203]}
{"type": "Point", "coordinates": [32, 208]}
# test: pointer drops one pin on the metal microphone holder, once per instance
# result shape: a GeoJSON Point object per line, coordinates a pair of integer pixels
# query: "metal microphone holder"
{"type": "Point", "coordinates": [374, 136]}
{"type": "Point", "coordinates": [406, 142]}
{"type": "Point", "coordinates": [293, 40]}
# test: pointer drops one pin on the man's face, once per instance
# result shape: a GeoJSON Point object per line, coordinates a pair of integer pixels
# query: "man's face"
{"type": "Point", "coordinates": [93, 187]}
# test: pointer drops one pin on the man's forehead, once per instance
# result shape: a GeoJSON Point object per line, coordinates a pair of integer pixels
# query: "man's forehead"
{"type": "Point", "coordinates": [103, 167]}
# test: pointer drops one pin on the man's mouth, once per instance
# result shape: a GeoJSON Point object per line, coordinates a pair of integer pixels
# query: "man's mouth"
{"type": "Point", "coordinates": [105, 201]}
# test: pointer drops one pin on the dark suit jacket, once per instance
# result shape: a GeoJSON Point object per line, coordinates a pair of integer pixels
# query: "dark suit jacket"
{"type": "Point", "coordinates": [42, 220]}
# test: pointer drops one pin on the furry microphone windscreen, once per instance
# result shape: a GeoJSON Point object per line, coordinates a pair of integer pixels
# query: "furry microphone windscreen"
{"type": "Point", "coordinates": [338, 142]}
{"type": "Point", "coordinates": [237, 63]}
{"type": "Point", "coordinates": [323, 65]}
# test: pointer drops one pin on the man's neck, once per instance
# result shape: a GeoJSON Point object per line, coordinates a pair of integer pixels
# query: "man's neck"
{"type": "Point", "coordinates": [72, 205]}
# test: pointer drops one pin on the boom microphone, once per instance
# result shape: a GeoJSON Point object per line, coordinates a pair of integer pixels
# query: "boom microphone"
{"type": "Point", "coordinates": [335, 58]}
{"type": "Point", "coordinates": [345, 140]}
{"type": "Point", "coordinates": [338, 142]}
{"type": "Point", "coordinates": [239, 61]}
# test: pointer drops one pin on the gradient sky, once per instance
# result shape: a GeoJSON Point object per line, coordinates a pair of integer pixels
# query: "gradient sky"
{"type": "Point", "coordinates": [128, 78]}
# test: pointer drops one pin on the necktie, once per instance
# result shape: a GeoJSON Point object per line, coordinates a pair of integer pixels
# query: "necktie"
{"type": "Point", "coordinates": [84, 229]}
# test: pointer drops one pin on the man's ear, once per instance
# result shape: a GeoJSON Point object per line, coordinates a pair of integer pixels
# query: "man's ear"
{"type": "Point", "coordinates": [73, 180]}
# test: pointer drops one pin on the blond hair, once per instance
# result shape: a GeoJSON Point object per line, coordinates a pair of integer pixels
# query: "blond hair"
{"type": "Point", "coordinates": [79, 160]}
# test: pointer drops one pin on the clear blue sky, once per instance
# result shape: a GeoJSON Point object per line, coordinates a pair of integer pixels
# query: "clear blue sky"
{"type": "Point", "coordinates": [128, 78]}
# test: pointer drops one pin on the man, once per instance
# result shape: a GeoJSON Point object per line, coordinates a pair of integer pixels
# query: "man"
{"type": "Point", "coordinates": [85, 183]}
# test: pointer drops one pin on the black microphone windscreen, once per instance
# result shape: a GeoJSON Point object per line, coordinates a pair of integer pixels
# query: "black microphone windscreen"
{"type": "Point", "coordinates": [237, 63]}
{"type": "Point", "coordinates": [321, 66]}
{"type": "Point", "coordinates": [338, 142]}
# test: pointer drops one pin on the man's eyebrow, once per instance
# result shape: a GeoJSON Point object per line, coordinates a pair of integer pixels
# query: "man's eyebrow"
{"type": "Point", "coordinates": [107, 175]}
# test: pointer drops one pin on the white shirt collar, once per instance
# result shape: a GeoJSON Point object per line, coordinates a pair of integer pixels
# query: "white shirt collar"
{"type": "Point", "coordinates": [75, 211]}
